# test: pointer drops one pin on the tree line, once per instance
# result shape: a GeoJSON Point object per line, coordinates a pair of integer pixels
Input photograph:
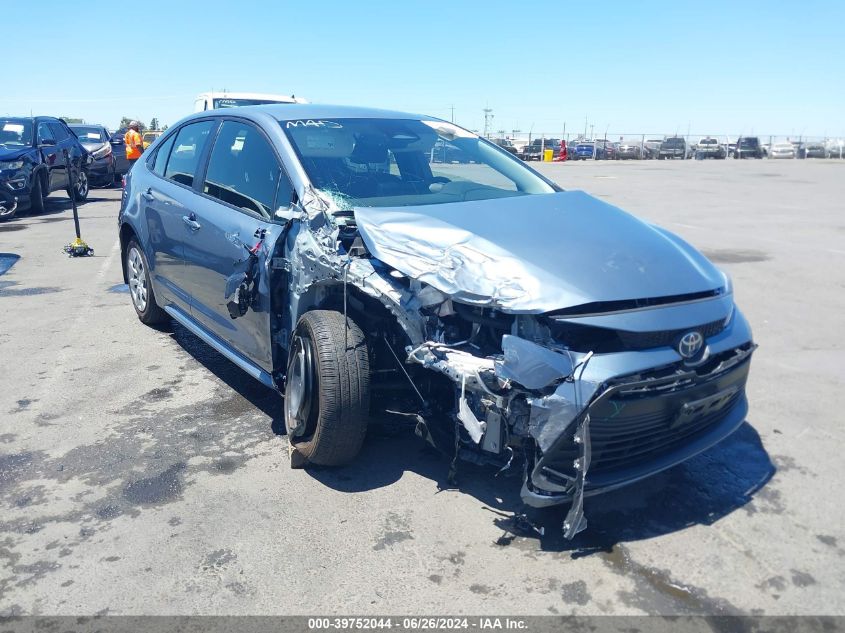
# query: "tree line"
{"type": "Point", "coordinates": [154, 124]}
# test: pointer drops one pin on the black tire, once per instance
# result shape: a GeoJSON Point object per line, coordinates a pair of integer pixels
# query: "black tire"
{"type": "Point", "coordinates": [140, 287]}
{"type": "Point", "coordinates": [108, 181]}
{"type": "Point", "coordinates": [327, 390]}
{"type": "Point", "coordinates": [36, 196]}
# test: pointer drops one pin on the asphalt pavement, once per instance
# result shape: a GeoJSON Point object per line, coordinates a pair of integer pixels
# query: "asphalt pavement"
{"type": "Point", "coordinates": [142, 473]}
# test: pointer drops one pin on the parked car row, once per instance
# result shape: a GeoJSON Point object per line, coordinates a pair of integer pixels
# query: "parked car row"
{"type": "Point", "coordinates": [673, 147]}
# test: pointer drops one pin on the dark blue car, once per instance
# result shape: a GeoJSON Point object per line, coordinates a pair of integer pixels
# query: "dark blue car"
{"type": "Point", "coordinates": [334, 255]}
{"type": "Point", "coordinates": [583, 151]}
{"type": "Point", "coordinates": [39, 155]}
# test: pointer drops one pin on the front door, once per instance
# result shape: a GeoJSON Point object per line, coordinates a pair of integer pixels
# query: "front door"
{"type": "Point", "coordinates": [229, 285]}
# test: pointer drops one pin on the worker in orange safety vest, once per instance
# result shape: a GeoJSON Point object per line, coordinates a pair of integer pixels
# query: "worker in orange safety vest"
{"type": "Point", "coordinates": [134, 142]}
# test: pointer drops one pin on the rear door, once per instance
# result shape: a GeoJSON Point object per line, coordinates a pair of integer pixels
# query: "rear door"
{"type": "Point", "coordinates": [121, 163]}
{"type": "Point", "coordinates": [53, 158]}
{"type": "Point", "coordinates": [118, 146]}
{"type": "Point", "coordinates": [69, 148]}
{"type": "Point", "coordinates": [169, 202]}
{"type": "Point", "coordinates": [243, 185]}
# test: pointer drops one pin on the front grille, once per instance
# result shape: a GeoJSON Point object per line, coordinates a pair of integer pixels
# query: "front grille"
{"type": "Point", "coordinates": [585, 338]}
{"type": "Point", "coordinates": [626, 442]}
{"type": "Point", "coordinates": [665, 338]}
{"type": "Point", "coordinates": [635, 426]}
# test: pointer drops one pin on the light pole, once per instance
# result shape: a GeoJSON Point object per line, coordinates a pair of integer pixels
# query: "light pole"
{"type": "Point", "coordinates": [488, 119]}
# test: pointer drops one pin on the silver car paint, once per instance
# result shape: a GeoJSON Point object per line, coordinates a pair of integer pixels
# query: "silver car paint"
{"type": "Point", "coordinates": [534, 254]}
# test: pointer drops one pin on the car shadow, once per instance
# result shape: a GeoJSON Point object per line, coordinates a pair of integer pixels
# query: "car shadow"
{"type": "Point", "coordinates": [261, 397]}
{"type": "Point", "coordinates": [56, 204]}
{"type": "Point", "coordinates": [701, 491]}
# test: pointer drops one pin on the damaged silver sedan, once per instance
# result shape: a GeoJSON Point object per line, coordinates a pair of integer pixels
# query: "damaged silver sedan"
{"type": "Point", "coordinates": [364, 261]}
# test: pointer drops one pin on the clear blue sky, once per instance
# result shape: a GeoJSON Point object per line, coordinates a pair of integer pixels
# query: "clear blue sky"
{"type": "Point", "coordinates": [768, 67]}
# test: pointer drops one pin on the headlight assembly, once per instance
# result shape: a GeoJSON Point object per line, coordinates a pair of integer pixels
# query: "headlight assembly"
{"type": "Point", "coordinates": [104, 151]}
{"type": "Point", "coordinates": [728, 286]}
{"type": "Point", "coordinates": [11, 164]}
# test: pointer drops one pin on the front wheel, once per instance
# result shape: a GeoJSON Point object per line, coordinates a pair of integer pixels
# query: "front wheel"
{"type": "Point", "coordinates": [37, 195]}
{"type": "Point", "coordinates": [327, 388]}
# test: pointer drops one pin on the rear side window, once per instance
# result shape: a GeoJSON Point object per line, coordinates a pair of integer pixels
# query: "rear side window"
{"type": "Point", "coordinates": [162, 154]}
{"type": "Point", "coordinates": [187, 151]}
{"type": "Point", "coordinates": [243, 169]}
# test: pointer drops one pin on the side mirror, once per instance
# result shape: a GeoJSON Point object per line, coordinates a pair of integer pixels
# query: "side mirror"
{"type": "Point", "coordinates": [116, 141]}
{"type": "Point", "coordinates": [46, 142]}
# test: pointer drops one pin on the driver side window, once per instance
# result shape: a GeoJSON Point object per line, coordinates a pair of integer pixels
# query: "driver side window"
{"type": "Point", "coordinates": [243, 171]}
{"type": "Point", "coordinates": [44, 133]}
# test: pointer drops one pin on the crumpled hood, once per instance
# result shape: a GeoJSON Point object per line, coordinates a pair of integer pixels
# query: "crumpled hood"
{"type": "Point", "coordinates": [13, 153]}
{"type": "Point", "coordinates": [534, 253]}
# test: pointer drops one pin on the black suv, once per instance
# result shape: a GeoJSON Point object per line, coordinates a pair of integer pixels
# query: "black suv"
{"type": "Point", "coordinates": [673, 147]}
{"type": "Point", "coordinates": [534, 150]}
{"type": "Point", "coordinates": [505, 144]}
{"type": "Point", "coordinates": [35, 156]}
{"type": "Point", "coordinates": [748, 147]}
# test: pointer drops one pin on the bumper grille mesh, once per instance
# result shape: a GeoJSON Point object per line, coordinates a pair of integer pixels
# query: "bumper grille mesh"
{"type": "Point", "coordinates": [625, 442]}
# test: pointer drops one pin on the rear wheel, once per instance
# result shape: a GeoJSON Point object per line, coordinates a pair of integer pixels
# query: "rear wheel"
{"type": "Point", "coordinates": [140, 288]}
{"type": "Point", "coordinates": [327, 390]}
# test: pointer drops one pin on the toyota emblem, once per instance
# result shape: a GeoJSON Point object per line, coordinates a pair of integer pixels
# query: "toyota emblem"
{"type": "Point", "coordinates": [690, 344]}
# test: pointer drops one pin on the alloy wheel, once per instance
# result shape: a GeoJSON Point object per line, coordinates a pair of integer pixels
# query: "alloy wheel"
{"type": "Point", "coordinates": [82, 185]}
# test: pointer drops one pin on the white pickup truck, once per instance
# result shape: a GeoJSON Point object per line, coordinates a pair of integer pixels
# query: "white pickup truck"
{"type": "Point", "coordinates": [215, 100]}
{"type": "Point", "coordinates": [709, 148]}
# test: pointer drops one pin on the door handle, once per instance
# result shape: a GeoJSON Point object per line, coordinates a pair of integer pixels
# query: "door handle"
{"type": "Point", "coordinates": [148, 195]}
{"type": "Point", "coordinates": [191, 221]}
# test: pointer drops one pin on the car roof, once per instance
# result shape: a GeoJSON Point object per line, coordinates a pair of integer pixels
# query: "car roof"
{"type": "Point", "coordinates": [296, 111]}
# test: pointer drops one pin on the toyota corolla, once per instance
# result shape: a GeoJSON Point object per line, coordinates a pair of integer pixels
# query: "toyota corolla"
{"type": "Point", "coordinates": [326, 253]}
